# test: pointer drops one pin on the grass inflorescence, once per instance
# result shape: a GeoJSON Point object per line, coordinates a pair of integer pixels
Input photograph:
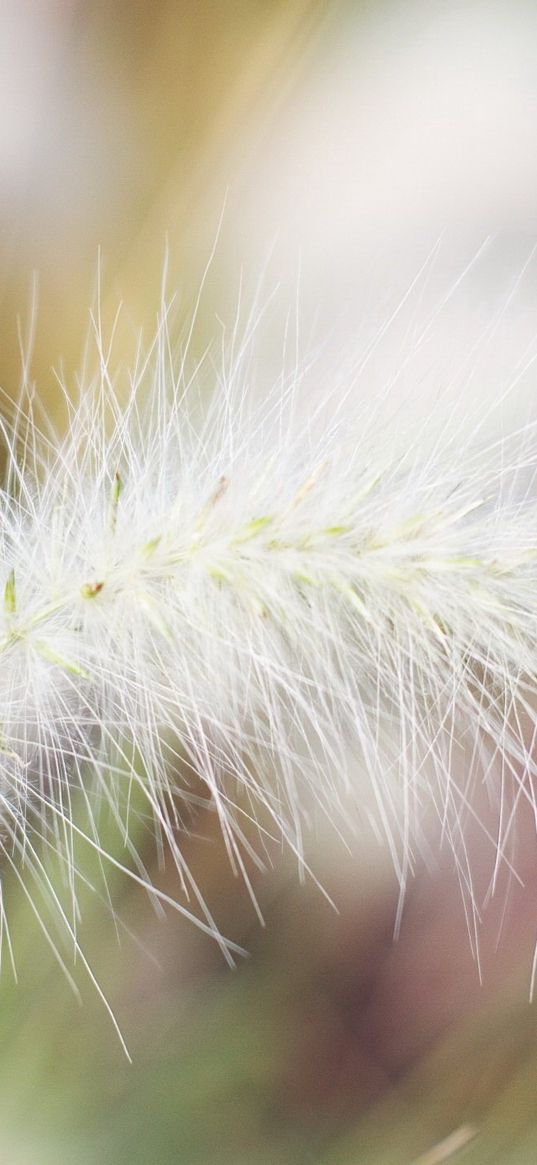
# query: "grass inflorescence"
{"type": "Point", "coordinates": [281, 606]}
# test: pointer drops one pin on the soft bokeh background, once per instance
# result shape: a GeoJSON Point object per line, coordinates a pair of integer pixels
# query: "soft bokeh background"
{"type": "Point", "coordinates": [331, 151]}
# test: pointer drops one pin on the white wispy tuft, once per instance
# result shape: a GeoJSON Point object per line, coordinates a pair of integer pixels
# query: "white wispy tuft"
{"type": "Point", "coordinates": [267, 599]}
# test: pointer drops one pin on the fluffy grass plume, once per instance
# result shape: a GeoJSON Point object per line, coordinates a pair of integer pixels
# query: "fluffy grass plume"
{"type": "Point", "coordinates": [271, 607]}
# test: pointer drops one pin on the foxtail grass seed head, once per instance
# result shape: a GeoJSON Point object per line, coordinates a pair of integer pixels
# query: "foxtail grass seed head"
{"type": "Point", "coordinates": [283, 604]}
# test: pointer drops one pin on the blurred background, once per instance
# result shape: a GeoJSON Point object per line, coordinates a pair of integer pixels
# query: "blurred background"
{"type": "Point", "coordinates": [321, 155]}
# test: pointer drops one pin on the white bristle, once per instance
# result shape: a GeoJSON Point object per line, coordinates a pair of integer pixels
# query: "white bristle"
{"type": "Point", "coordinates": [270, 599]}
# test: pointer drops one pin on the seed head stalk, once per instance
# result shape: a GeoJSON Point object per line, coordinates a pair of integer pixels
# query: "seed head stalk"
{"type": "Point", "coordinates": [282, 602]}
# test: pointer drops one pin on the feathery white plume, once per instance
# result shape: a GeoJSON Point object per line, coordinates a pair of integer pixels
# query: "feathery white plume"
{"type": "Point", "coordinates": [271, 600]}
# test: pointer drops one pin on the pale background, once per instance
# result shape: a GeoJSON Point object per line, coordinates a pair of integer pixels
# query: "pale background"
{"type": "Point", "coordinates": [331, 151]}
